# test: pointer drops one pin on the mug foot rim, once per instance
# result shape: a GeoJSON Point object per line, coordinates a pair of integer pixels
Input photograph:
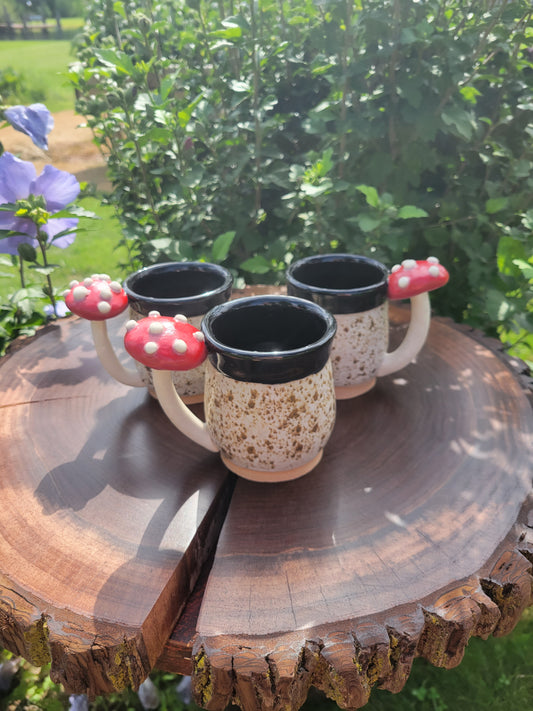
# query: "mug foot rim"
{"type": "Point", "coordinates": [345, 392]}
{"type": "Point", "coordinates": [272, 477]}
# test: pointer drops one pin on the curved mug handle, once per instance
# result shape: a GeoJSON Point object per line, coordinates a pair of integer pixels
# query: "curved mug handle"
{"type": "Point", "coordinates": [97, 299]}
{"type": "Point", "coordinates": [413, 340]}
{"type": "Point", "coordinates": [413, 279]}
{"type": "Point", "coordinates": [178, 413]}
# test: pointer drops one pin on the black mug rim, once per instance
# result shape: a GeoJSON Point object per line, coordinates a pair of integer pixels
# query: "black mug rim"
{"type": "Point", "coordinates": [275, 366]}
{"type": "Point", "coordinates": [338, 300]}
{"type": "Point", "coordinates": [194, 305]}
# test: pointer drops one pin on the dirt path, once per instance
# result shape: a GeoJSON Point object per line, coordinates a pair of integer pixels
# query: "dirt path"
{"type": "Point", "coordinates": [70, 148]}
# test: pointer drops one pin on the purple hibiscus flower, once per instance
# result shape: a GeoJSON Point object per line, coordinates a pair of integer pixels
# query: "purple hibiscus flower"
{"type": "Point", "coordinates": [19, 181]}
{"type": "Point", "coordinates": [34, 120]}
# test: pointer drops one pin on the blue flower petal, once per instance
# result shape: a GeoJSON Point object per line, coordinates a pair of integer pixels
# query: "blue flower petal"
{"type": "Point", "coordinates": [58, 224]}
{"type": "Point", "coordinates": [34, 120]}
{"type": "Point", "coordinates": [9, 245]}
{"type": "Point", "coordinates": [21, 225]}
{"type": "Point", "coordinates": [58, 187]}
{"type": "Point", "coordinates": [61, 310]}
{"type": "Point", "coordinates": [16, 177]}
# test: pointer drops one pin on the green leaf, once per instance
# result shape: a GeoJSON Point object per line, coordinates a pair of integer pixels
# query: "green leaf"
{"type": "Point", "coordinates": [470, 93]}
{"type": "Point", "coordinates": [221, 246]}
{"type": "Point", "coordinates": [460, 119]}
{"type": "Point", "coordinates": [497, 305]}
{"type": "Point", "coordinates": [368, 223]}
{"type": "Point", "coordinates": [115, 59]}
{"type": "Point", "coordinates": [231, 32]}
{"type": "Point", "coordinates": [409, 211]}
{"type": "Point", "coordinates": [494, 205]}
{"type": "Point", "coordinates": [118, 7]}
{"type": "Point", "coordinates": [256, 265]}
{"type": "Point", "coordinates": [77, 211]}
{"type": "Point", "coordinates": [525, 267]}
{"type": "Point", "coordinates": [316, 190]}
{"type": "Point", "coordinates": [370, 193]}
{"type": "Point", "coordinates": [240, 86]}
{"type": "Point", "coordinates": [45, 271]}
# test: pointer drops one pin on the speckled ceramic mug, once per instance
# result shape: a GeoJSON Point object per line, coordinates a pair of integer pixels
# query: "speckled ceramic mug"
{"type": "Point", "coordinates": [187, 288]}
{"type": "Point", "coordinates": [355, 289]}
{"type": "Point", "coordinates": [269, 395]}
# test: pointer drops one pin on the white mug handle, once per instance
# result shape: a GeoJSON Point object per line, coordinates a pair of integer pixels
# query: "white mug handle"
{"type": "Point", "coordinates": [108, 358]}
{"type": "Point", "coordinates": [414, 338]}
{"type": "Point", "coordinates": [178, 413]}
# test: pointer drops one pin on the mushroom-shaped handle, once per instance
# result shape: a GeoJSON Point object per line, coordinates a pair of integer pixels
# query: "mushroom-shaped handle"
{"type": "Point", "coordinates": [166, 344]}
{"type": "Point", "coordinates": [98, 298]}
{"type": "Point", "coordinates": [413, 279]}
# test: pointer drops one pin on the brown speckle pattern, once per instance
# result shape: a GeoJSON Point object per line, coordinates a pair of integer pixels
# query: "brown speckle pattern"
{"type": "Point", "coordinates": [359, 345]}
{"type": "Point", "coordinates": [270, 427]}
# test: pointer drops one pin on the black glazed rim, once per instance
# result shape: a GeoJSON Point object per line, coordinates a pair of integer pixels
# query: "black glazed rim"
{"type": "Point", "coordinates": [339, 300]}
{"type": "Point", "coordinates": [257, 314]}
{"type": "Point", "coordinates": [219, 280]}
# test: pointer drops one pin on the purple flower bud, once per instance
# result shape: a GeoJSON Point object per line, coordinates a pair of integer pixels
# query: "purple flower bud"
{"type": "Point", "coordinates": [34, 120]}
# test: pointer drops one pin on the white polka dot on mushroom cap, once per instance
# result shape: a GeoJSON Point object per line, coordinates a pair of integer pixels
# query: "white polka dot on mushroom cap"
{"type": "Point", "coordinates": [105, 292]}
{"type": "Point", "coordinates": [154, 314]}
{"type": "Point", "coordinates": [434, 270]}
{"type": "Point", "coordinates": [396, 268]}
{"type": "Point", "coordinates": [155, 328]}
{"type": "Point", "coordinates": [150, 347]}
{"type": "Point", "coordinates": [115, 286]}
{"type": "Point", "coordinates": [181, 318]}
{"type": "Point", "coordinates": [88, 281]}
{"type": "Point", "coordinates": [409, 264]}
{"type": "Point", "coordinates": [130, 324]}
{"type": "Point", "coordinates": [179, 346]}
{"type": "Point", "coordinates": [73, 283]}
{"type": "Point", "coordinates": [403, 282]}
{"type": "Point", "coordinates": [104, 307]}
{"type": "Point", "coordinates": [199, 336]}
{"type": "Point", "coordinates": [433, 260]}
{"type": "Point", "coordinates": [80, 292]}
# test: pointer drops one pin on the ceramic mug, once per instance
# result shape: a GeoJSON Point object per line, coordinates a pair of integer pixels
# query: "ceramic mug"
{"type": "Point", "coordinates": [186, 288]}
{"type": "Point", "coordinates": [170, 288]}
{"type": "Point", "coordinates": [356, 290]}
{"type": "Point", "coordinates": [269, 395]}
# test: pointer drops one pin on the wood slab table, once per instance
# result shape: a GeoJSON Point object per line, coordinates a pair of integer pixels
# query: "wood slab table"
{"type": "Point", "coordinates": [124, 546]}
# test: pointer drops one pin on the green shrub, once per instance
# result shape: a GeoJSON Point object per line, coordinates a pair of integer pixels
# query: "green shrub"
{"type": "Point", "coordinates": [15, 90]}
{"type": "Point", "coordinates": [257, 132]}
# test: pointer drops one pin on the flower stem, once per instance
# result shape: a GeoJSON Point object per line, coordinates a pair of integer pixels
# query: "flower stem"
{"type": "Point", "coordinates": [21, 272]}
{"type": "Point", "coordinates": [41, 238]}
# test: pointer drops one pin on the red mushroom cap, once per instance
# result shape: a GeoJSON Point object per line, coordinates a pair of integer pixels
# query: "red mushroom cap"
{"type": "Point", "coordinates": [165, 343]}
{"type": "Point", "coordinates": [96, 298]}
{"type": "Point", "coordinates": [413, 277]}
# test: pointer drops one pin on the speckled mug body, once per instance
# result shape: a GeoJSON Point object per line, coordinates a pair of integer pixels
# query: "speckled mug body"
{"type": "Point", "coordinates": [269, 393]}
{"type": "Point", "coordinates": [359, 346]}
{"type": "Point", "coordinates": [270, 428]}
{"type": "Point", "coordinates": [354, 289]}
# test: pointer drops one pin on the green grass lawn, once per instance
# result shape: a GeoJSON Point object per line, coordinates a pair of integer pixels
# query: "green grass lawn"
{"type": "Point", "coordinates": [41, 64]}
